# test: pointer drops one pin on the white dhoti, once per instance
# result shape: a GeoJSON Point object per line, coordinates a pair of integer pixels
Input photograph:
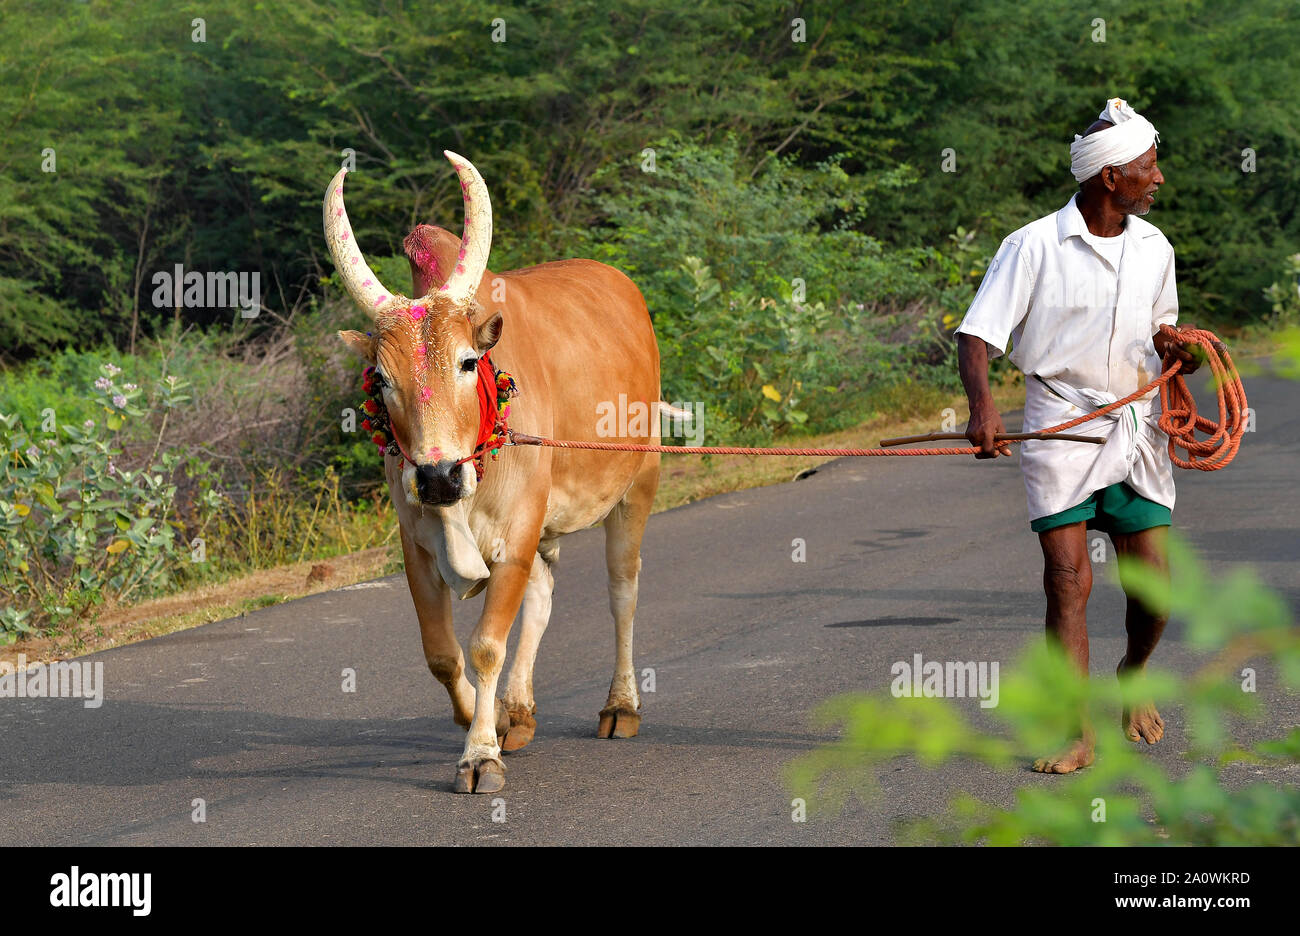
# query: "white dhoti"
{"type": "Point", "coordinates": [1061, 475]}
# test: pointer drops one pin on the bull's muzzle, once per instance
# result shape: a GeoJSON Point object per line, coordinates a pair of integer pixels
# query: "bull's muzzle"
{"type": "Point", "coordinates": [440, 484]}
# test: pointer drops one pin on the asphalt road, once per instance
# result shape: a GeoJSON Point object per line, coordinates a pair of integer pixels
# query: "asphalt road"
{"type": "Point", "coordinates": [904, 556]}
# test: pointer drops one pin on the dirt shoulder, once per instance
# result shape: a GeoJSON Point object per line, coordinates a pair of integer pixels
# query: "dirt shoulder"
{"type": "Point", "coordinates": [212, 602]}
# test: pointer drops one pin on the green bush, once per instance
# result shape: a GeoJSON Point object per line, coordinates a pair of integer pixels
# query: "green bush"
{"type": "Point", "coordinates": [75, 528]}
{"type": "Point", "coordinates": [768, 306]}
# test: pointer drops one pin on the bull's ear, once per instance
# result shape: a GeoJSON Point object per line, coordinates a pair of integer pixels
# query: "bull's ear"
{"type": "Point", "coordinates": [488, 332]}
{"type": "Point", "coordinates": [360, 344]}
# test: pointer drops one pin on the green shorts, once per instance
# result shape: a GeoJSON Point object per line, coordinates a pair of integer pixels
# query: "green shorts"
{"type": "Point", "coordinates": [1114, 509]}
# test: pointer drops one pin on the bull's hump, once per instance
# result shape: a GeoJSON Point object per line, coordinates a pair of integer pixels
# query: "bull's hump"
{"type": "Point", "coordinates": [431, 252]}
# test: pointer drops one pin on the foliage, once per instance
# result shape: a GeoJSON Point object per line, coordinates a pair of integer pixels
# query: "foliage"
{"type": "Point", "coordinates": [1006, 92]}
{"type": "Point", "coordinates": [1283, 296]}
{"type": "Point", "coordinates": [214, 153]}
{"type": "Point", "coordinates": [1236, 620]}
{"type": "Point", "coordinates": [77, 529]}
{"type": "Point", "coordinates": [768, 309]}
{"type": "Point", "coordinates": [130, 490]}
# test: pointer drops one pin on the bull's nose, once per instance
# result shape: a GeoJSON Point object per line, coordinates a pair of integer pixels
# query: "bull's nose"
{"type": "Point", "coordinates": [440, 484]}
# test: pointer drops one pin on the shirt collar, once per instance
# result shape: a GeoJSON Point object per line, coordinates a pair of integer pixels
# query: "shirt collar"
{"type": "Point", "coordinates": [1069, 221]}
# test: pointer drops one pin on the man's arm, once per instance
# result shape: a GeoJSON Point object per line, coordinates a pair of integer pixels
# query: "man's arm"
{"type": "Point", "coordinates": [1165, 312]}
{"type": "Point", "coordinates": [985, 420]}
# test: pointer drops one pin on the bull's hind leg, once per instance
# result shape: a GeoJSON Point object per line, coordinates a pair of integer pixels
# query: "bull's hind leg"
{"type": "Point", "coordinates": [624, 528]}
{"type": "Point", "coordinates": [519, 691]}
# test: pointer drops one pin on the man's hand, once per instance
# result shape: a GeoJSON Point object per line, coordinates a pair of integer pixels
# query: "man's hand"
{"type": "Point", "coordinates": [985, 423]}
{"type": "Point", "coordinates": [1189, 353]}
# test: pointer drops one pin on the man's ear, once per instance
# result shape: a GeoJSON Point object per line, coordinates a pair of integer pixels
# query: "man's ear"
{"type": "Point", "coordinates": [360, 344]}
{"type": "Point", "coordinates": [488, 332]}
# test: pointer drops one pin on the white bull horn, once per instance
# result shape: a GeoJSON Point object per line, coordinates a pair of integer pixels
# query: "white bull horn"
{"type": "Point", "coordinates": [476, 240]}
{"type": "Point", "coordinates": [358, 279]}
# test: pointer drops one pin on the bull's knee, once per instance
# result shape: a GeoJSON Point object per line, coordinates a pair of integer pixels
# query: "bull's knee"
{"type": "Point", "coordinates": [445, 669]}
{"type": "Point", "coordinates": [487, 656]}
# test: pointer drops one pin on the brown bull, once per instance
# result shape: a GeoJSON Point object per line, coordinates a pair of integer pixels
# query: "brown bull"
{"type": "Point", "coordinates": [575, 334]}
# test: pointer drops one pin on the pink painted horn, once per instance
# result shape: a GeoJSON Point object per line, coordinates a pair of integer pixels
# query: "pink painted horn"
{"type": "Point", "coordinates": [476, 241]}
{"type": "Point", "coordinates": [358, 279]}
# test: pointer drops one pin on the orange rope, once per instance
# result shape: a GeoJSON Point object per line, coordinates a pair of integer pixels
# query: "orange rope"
{"type": "Point", "coordinates": [1179, 419]}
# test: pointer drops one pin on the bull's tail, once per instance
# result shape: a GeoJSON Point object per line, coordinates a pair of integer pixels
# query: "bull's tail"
{"type": "Point", "coordinates": [673, 412]}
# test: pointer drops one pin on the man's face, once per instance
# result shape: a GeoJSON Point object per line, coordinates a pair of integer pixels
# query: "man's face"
{"type": "Point", "coordinates": [1136, 183]}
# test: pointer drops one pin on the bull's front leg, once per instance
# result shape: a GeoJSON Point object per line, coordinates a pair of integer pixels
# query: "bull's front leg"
{"type": "Point", "coordinates": [442, 653]}
{"type": "Point", "coordinates": [480, 769]}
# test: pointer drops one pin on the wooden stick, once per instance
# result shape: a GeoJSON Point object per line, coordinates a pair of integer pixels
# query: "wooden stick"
{"type": "Point", "coordinates": [1000, 437]}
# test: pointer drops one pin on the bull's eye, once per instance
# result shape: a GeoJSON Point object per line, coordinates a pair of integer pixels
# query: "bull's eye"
{"type": "Point", "coordinates": [469, 364]}
{"type": "Point", "coordinates": [381, 380]}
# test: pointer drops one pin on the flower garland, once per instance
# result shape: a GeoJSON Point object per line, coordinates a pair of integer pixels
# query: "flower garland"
{"type": "Point", "coordinates": [492, 429]}
{"type": "Point", "coordinates": [505, 389]}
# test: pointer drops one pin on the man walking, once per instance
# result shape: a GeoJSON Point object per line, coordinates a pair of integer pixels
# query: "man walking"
{"type": "Point", "coordinates": [1081, 294]}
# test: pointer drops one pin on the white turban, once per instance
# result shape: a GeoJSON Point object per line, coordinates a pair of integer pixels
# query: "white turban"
{"type": "Point", "coordinates": [1131, 136]}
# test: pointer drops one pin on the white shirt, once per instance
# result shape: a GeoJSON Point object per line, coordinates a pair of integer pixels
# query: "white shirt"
{"type": "Point", "coordinates": [1081, 325]}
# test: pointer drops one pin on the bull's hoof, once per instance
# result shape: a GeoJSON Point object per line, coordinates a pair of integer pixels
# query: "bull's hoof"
{"type": "Point", "coordinates": [484, 776]}
{"type": "Point", "coordinates": [522, 727]}
{"type": "Point", "coordinates": [618, 722]}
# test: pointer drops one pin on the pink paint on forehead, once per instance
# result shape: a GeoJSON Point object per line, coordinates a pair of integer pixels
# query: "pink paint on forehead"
{"type": "Point", "coordinates": [417, 312]}
{"type": "Point", "coordinates": [425, 394]}
{"type": "Point", "coordinates": [435, 453]}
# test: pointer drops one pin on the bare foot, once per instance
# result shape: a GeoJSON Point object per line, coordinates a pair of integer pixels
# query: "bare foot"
{"type": "Point", "coordinates": [1076, 754]}
{"type": "Point", "coordinates": [1141, 722]}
